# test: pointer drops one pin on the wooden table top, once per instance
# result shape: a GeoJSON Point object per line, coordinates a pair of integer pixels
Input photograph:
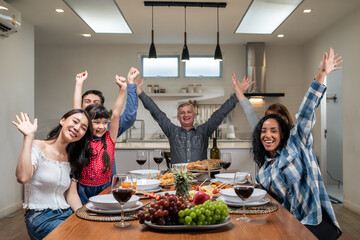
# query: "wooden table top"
{"type": "Point", "coordinates": [277, 225]}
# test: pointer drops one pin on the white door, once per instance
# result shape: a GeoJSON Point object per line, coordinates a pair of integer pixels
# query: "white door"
{"type": "Point", "coordinates": [332, 171]}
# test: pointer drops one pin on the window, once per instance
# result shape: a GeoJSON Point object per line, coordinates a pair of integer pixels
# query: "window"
{"type": "Point", "coordinates": [203, 66]}
{"type": "Point", "coordinates": [163, 66]}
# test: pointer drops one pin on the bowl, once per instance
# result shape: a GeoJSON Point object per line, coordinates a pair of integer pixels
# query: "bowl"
{"type": "Point", "coordinates": [230, 195]}
{"type": "Point", "coordinates": [107, 201]}
{"type": "Point", "coordinates": [147, 184]}
{"type": "Point", "coordinates": [179, 165]}
{"type": "Point", "coordinates": [145, 173]}
{"type": "Point", "coordinates": [228, 177]}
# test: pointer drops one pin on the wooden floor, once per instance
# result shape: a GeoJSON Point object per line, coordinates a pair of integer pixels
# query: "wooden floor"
{"type": "Point", "coordinates": [13, 227]}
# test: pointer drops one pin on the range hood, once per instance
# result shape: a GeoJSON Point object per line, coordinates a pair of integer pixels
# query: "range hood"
{"type": "Point", "coordinates": [256, 68]}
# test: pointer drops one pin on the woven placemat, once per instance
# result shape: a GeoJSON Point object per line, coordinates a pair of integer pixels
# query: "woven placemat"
{"type": "Point", "coordinates": [266, 208]}
{"type": "Point", "coordinates": [84, 213]}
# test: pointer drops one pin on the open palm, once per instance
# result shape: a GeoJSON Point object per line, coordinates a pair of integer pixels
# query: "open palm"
{"type": "Point", "coordinates": [24, 124]}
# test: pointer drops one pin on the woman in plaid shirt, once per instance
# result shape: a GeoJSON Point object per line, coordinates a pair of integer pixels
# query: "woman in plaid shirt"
{"type": "Point", "coordinates": [288, 167]}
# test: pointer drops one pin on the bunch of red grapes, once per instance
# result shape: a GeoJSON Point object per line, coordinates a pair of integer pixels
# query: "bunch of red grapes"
{"type": "Point", "coordinates": [164, 210]}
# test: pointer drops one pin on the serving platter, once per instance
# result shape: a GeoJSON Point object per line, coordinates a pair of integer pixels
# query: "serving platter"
{"type": "Point", "coordinates": [91, 208]}
{"type": "Point", "coordinates": [186, 227]}
{"type": "Point", "coordinates": [149, 191]}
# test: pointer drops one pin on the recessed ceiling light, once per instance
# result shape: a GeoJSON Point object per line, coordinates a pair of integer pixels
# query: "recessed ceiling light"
{"type": "Point", "coordinates": [264, 16]}
{"type": "Point", "coordinates": [102, 16]}
{"type": "Point", "coordinates": [86, 35]}
{"type": "Point", "coordinates": [59, 10]}
{"type": "Point", "coordinates": [307, 11]}
{"type": "Point", "coordinates": [280, 35]}
{"type": "Point", "coordinates": [5, 8]}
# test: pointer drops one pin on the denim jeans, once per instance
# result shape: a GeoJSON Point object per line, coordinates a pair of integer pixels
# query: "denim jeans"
{"type": "Point", "coordinates": [41, 223]}
{"type": "Point", "coordinates": [86, 192]}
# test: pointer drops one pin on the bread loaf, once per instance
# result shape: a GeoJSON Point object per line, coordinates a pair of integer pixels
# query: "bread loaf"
{"type": "Point", "coordinates": [205, 165]}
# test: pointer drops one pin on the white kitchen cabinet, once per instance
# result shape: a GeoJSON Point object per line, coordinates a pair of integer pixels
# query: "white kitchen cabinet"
{"type": "Point", "coordinates": [126, 160]}
{"type": "Point", "coordinates": [241, 159]}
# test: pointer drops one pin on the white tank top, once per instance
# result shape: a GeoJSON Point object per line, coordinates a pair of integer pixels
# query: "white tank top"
{"type": "Point", "coordinates": [48, 184]}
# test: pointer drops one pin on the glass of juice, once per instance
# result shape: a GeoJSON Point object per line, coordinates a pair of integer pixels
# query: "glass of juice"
{"type": "Point", "coordinates": [122, 190]}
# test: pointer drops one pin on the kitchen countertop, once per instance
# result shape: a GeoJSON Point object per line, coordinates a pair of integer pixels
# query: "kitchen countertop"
{"type": "Point", "coordinates": [164, 144]}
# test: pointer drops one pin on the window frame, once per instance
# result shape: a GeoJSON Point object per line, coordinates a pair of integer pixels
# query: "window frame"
{"type": "Point", "coordinates": [204, 56]}
{"type": "Point", "coordinates": [162, 56]}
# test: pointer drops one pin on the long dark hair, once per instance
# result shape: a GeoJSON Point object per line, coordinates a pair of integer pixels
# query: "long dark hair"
{"type": "Point", "coordinates": [258, 148]}
{"type": "Point", "coordinates": [78, 152]}
{"type": "Point", "coordinates": [97, 111]}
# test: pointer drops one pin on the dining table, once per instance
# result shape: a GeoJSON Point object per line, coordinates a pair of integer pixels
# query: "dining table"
{"type": "Point", "coordinates": [279, 224]}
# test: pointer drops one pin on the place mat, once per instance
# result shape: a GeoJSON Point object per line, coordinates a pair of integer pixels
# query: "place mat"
{"type": "Point", "coordinates": [266, 208]}
{"type": "Point", "coordinates": [86, 214]}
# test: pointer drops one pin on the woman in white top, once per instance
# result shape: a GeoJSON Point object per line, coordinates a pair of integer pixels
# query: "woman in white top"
{"type": "Point", "coordinates": [48, 169]}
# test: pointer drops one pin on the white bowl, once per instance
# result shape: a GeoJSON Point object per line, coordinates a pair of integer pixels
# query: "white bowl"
{"type": "Point", "coordinates": [147, 184]}
{"type": "Point", "coordinates": [145, 173]}
{"type": "Point", "coordinates": [107, 201]}
{"type": "Point", "coordinates": [179, 165]}
{"type": "Point", "coordinates": [230, 195]}
{"type": "Point", "coordinates": [229, 177]}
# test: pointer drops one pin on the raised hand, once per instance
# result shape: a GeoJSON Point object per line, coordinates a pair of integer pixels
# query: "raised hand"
{"type": "Point", "coordinates": [132, 75]}
{"type": "Point", "coordinates": [24, 124]}
{"type": "Point", "coordinates": [81, 77]}
{"type": "Point", "coordinates": [139, 85]}
{"type": "Point", "coordinates": [121, 82]}
{"type": "Point", "coordinates": [242, 86]}
{"type": "Point", "coordinates": [328, 64]}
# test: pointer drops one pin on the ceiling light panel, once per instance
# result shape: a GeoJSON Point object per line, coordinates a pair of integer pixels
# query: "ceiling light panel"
{"type": "Point", "coordinates": [101, 16]}
{"type": "Point", "coordinates": [265, 16]}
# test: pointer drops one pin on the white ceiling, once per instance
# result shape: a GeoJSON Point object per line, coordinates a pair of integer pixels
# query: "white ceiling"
{"type": "Point", "coordinates": [65, 28]}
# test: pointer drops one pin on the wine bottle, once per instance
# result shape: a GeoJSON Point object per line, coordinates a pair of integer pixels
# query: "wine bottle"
{"type": "Point", "coordinates": [214, 152]}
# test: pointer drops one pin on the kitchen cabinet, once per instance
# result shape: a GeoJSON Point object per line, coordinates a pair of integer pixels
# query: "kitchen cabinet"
{"type": "Point", "coordinates": [241, 159]}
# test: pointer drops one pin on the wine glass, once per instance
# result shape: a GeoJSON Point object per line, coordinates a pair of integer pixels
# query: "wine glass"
{"type": "Point", "coordinates": [225, 160]}
{"type": "Point", "coordinates": [141, 158]}
{"type": "Point", "coordinates": [122, 189]}
{"type": "Point", "coordinates": [244, 187]}
{"type": "Point", "coordinates": [158, 157]}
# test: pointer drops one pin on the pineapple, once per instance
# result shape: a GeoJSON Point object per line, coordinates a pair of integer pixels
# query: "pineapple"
{"type": "Point", "coordinates": [182, 182]}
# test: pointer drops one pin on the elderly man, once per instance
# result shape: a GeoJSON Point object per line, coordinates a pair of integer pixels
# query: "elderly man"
{"type": "Point", "coordinates": [187, 143]}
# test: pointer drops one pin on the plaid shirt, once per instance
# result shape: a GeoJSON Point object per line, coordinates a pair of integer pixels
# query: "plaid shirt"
{"type": "Point", "coordinates": [293, 174]}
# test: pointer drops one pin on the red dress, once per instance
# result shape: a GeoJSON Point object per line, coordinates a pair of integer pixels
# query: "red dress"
{"type": "Point", "coordinates": [93, 175]}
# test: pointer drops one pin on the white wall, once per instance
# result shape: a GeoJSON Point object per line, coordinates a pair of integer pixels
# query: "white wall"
{"type": "Point", "coordinates": [344, 36]}
{"type": "Point", "coordinates": [56, 67]}
{"type": "Point", "coordinates": [17, 94]}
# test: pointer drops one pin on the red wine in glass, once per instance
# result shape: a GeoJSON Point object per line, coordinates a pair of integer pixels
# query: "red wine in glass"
{"type": "Point", "coordinates": [244, 192]}
{"type": "Point", "coordinates": [225, 165]}
{"type": "Point", "coordinates": [122, 195]}
{"type": "Point", "coordinates": [141, 161]}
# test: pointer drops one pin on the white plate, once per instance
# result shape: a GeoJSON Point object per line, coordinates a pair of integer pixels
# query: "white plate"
{"type": "Point", "coordinates": [144, 173]}
{"type": "Point", "coordinates": [147, 184]}
{"type": "Point", "coordinates": [91, 207]}
{"type": "Point", "coordinates": [107, 201]}
{"type": "Point", "coordinates": [179, 165]}
{"type": "Point", "coordinates": [230, 195]}
{"type": "Point", "coordinates": [151, 190]}
{"type": "Point", "coordinates": [205, 171]}
{"type": "Point", "coordinates": [185, 227]}
{"type": "Point", "coordinates": [236, 204]}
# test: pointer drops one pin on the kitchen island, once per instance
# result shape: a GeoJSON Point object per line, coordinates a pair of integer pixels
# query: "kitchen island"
{"type": "Point", "coordinates": [125, 154]}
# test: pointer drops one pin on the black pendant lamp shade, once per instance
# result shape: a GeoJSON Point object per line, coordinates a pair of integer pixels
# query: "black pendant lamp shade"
{"type": "Point", "coordinates": [152, 51]}
{"type": "Point", "coordinates": [218, 54]}
{"type": "Point", "coordinates": [185, 53]}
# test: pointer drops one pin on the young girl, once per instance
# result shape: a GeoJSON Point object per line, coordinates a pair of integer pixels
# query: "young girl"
{"type": "Point", "coordinates": [96, 176]}
{"type": "Point", "coordinates": [288, 167]}
{"type": "Point", "coordinates": [47, 167]}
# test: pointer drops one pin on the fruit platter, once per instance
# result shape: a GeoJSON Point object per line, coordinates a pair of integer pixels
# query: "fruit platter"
{"type": "Point", "coordinates": [184, 208]}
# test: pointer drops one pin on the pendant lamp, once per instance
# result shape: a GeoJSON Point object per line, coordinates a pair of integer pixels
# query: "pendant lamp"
{"type": "Point", "coordinates": [152, 51]}
{"type": "Point", "coordinates": [185, 52]}
{"type": "Point", "coordinates": [218, 54]}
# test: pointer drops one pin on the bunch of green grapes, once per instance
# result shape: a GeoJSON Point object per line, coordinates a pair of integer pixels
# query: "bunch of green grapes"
{"type": "Point", "coordinates": [210, 212]}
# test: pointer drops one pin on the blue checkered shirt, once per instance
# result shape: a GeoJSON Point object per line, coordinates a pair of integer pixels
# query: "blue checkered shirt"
{"type": "Point", "coordinates": [293, 174]}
